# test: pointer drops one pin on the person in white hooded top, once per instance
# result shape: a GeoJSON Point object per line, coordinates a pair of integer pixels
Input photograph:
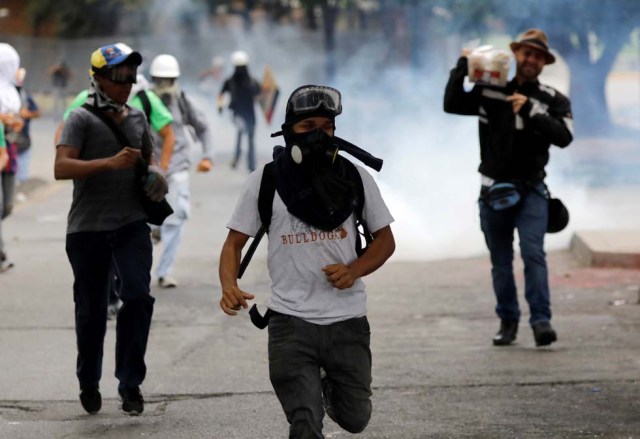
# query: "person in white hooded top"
{"type": "Point", "coordinates": [11, 123]}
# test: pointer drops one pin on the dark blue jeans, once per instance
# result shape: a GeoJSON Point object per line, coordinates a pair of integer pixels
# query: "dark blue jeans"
{"type": "Point", "coordinates": [94, 256]}
{"type": "Point", "coordinates": [530, 219]}
{"type": "Point", "coordinates": [248, 129]}
{"type": "Point", "coordinates": [297, 350]}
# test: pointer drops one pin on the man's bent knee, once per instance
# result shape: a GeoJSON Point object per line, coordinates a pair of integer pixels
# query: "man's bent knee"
{"type": "Point", "coordinates": [354, 422]}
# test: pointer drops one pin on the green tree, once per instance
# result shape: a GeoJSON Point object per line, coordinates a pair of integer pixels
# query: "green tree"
{"type": "Point", "coordinates": [589, 35]}
{"type": "Point", "coordinates": [82, 18]}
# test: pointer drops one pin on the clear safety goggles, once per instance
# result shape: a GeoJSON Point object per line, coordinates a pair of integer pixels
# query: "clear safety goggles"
{"type": "Point", "coordinates": [120, 74]}
{"type": "Point", "coordinates": [309, 98]}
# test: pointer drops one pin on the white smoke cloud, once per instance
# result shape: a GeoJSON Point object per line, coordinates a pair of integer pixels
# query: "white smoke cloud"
{"type": "Point", "coordinates": [429, 177]}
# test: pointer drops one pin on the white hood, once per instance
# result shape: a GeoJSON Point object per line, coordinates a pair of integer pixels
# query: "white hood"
{"type": "Point", "coordinates": [9, 63]}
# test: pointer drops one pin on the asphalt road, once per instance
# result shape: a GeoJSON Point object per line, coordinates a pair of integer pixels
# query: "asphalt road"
{"type": "Point", "coordinates": [435, 371]}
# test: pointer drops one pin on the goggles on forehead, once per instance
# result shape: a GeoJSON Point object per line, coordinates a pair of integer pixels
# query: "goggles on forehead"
{"type": "Point", "coordinates": [309, 98]}
{"type": "Point", "coordinates": [120, 74]}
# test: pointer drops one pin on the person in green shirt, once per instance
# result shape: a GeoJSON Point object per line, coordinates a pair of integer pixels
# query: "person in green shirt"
{"type": "Point", "coordinates": [159, 117]}
{"type": "Point", "coordinates": [3, 146]}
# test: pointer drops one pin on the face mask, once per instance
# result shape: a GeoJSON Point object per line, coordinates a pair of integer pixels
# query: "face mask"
{"type": "Point", "coordinates": [168, 86]}
{"type": "Point", "coordinates": [311, 148]}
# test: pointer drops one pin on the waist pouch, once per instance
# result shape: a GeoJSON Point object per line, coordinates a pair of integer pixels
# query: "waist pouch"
{"type": "Point", "coordinates": [501, 196]}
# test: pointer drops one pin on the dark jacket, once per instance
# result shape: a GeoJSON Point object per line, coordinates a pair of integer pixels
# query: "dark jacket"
{"type": "Point", "coordinates": [512, 147]}
{"type": "Point", "coordinates": [243, 89]}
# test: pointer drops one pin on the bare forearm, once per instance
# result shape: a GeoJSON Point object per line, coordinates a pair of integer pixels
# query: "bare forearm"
{"type": "Point", "coordinates": [4, 157]}
{"type": "Point", "coordinates": [168, 143]}
{"type": "Point", "coordinates": [68, 168]}
{"type": "Point", "coordinates": [58, 133]}
{"type": "Point", "coordinates": [229, 266]}
{"type": "Point", "coordinates": [379, 251]}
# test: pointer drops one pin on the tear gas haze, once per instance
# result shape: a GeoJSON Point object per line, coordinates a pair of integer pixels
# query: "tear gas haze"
{"type": "Point", "coordinates": [393, 110]}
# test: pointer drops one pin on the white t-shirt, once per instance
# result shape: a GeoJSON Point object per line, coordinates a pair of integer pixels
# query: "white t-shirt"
{"type": "Point", "coordinates": [297, 252]}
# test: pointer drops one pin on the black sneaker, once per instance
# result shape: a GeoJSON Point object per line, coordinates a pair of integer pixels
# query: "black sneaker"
{"type": "Point", "coordinates": [91, 399]}
{"type": "Point", "coordinates": [132, 401]}
{"type": "Point", "coordinates": [5, 264]}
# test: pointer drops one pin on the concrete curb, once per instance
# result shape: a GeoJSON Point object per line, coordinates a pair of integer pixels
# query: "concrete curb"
{"type": "Point", "coordinates": [607, 248]}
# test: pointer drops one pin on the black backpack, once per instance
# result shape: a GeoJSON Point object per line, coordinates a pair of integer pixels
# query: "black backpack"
{"type": "Point", "coordinates": [265, 208]}
{"type": "Point", "coordinates": [146, 104]}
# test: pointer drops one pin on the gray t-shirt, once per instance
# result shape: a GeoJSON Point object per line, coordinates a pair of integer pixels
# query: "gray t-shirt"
{"type": "Point", "coordinates": [108, 200]}
{"type": "Point", "coordinates": [185, 127]}
{"type": "Point", "coordinates": [297, 252]}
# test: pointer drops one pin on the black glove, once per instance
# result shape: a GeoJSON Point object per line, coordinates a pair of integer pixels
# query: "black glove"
{"type": "Point", "coordinates": [155, 186]}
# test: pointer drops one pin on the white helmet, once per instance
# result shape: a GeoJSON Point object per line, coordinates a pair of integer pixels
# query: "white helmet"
{"type": "Point", "coordinates": [239, 58]}
{"type": "Point", "coordinates": [164, 66]}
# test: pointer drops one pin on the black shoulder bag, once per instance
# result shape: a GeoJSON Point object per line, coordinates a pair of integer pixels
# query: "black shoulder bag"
{"type": "Point", "coordinates": [157, 211]}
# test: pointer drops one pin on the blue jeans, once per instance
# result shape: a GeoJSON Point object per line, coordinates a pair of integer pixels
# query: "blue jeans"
{"type": "Point", "coordinates": [94, 256]}
{"type": "Point", "coordinates": [530, 219]}
{"type": "Point", "coordinates": [248, 128]}
{"type": "Point", "coordinates": [179, 197]}
{"type": "Point", "coordinates": [297, 350]}
{"type": "Point", "coordinates": [24, 163]}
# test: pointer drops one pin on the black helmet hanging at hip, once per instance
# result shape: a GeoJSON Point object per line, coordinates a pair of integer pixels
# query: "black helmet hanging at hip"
{"type": "Point", "coordinates": [558, 216]}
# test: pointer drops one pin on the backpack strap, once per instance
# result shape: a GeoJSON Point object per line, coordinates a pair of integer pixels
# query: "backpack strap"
{"type": "Point", "coordinates": [147, 144]}
{"type": "Point", "coordinates": [266, 195]}
{"type": "Point", "coordinates": [265, 209]}
{"type": "Point", "coordinates": [119, 135]}
{"type": "Point", "coordinates": [361, 225]}
{"type": "Point", "coordinates": [185, 109]}
{"type": "Point", "coordinates": [146, 104]}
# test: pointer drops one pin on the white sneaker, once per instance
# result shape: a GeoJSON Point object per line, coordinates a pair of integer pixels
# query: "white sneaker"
{"type": "Point", "coordinates": [112, 310]}
{"type": "Point", "coordinates": [167, 282]}
{"type": "Point", "coordinates": [156, 236]}
{"type": "Point", "coordinates": [21, 197]}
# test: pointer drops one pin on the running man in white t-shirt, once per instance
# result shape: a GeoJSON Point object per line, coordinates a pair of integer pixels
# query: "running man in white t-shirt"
{"type": "Point", "coordinates": [319, 336]}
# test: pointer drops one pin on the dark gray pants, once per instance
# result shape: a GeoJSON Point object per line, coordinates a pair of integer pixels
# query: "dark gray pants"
{"type": "Point", "coordinates": [297, 350]}
{"type": "Point", "coordinates": [7, 189]}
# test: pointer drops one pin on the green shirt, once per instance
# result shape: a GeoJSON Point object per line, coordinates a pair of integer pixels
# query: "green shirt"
{"type": "Point", "coordinates": [3, 144]}
{"type": "Point", "coordinates": [160, 115]}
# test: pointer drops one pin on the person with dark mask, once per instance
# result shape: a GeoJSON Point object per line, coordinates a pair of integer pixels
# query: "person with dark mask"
{"type": "Point", "coordinates": [243, 90]}
{"type": "Point", "coordinates": [319, 336]}
{"type": "Point", "coordinates": [107, 231]}
{"type": "Point", "coordinates": [518, 124]}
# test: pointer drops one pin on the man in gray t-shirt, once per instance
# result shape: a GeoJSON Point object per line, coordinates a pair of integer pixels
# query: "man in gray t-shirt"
{"type": "Point", "coordinates": [319, 337]}
{"type": "Point", "coordinates": [106, 229]}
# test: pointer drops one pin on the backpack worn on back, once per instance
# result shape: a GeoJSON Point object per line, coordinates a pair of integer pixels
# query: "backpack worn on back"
{"type": "Point", "coordinates": [265, 208]}
{"type": "Point", "coordinates": [146, 104]}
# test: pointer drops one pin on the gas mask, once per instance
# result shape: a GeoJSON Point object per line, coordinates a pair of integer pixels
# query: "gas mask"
{"type": "Point", "coordinates": [165, 88]}
{"type": "Point", "coordinates": [313, 148]}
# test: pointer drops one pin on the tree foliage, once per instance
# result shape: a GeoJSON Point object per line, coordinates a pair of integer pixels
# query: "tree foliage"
{"type": "Point", "coordinates": [82, 18]}
{"type": "Point", "coordinates": [589, 35]}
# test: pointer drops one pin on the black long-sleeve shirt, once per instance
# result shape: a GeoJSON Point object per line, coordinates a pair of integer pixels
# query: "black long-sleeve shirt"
{"type": "Point", "coordinates": [512, 146]}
